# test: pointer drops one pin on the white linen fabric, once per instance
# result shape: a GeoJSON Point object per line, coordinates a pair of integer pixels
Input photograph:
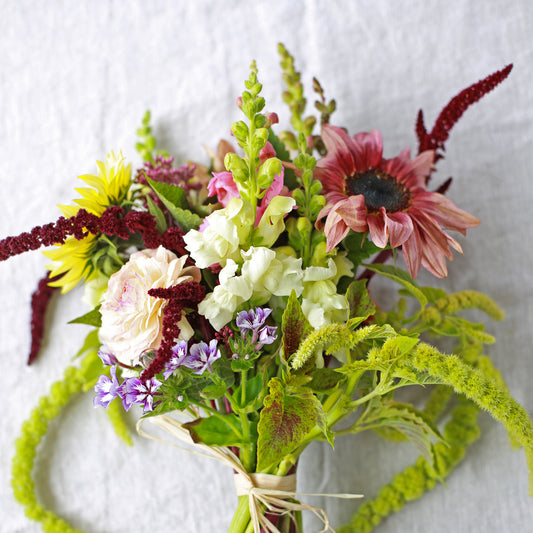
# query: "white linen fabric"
{"type": "Point", "coordinates": [75, 81]}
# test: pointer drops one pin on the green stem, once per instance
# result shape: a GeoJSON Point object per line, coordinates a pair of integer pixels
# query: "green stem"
{"type": "Point", "coordinates": [241, 518]}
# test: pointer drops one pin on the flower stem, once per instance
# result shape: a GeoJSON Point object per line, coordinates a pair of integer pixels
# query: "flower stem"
{"type": "Point", "coordinates": [241, 518]}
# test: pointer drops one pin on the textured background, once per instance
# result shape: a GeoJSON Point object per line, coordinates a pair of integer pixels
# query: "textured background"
{"type": "Point", "coordinates": [76, 78]}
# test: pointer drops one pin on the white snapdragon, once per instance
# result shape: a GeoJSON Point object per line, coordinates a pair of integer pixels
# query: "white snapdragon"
{"type": "Point", "coordinates": [220, 305]}
{"type": "Point", "coordinates": [263, 274]}
{"type": "Point", "coordinates": [320, 302]}
{"type": "Point", "coordinates": [225, 229]}
{"type": "Point", "coordinates": [271, 273]}
{"type": "Point", "coordinates": [271, 224]}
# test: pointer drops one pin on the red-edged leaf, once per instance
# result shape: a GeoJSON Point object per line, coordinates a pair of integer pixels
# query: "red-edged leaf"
{"type": "Point", "coordinates": [287, 417]}
{"type": "Point", "coordinates": [294, 326]}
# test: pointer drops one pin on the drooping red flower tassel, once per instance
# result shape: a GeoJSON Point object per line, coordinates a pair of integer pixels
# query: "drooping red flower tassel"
{"type": "Point", "coordinates": [113, 222]}
{"type": "Point", "coordinates": [39, 303]}
{"type": "Point", "coordinates": [185, 295]}
{"type": "Point", "coordinates": [453, 111]}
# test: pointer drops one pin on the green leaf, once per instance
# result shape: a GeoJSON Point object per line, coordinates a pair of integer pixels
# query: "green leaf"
{"type": "Point", "coordinates": [186, 219]}
{"type": "Point", "coordinates": [294, 326]}
{"type": "Point", "coordinates": [171, 195]}
{"type": "Point", "coordinates": [284, 422]}
{"type": "Point", "coordinates": [220, 430]}
{"type": "Point", "coordinates": [402, 277]}
{"type": "Point", "coordinates": [159, 216]}
{"type": "Point", "coordinates": [410, 422]}
{"type": "Point", "coordinates": [253, 394]}
{"type": "Point", "coordinates": [359, 247]}
{"type": "Point", "coordinates": [361, 305]}
{"type": "Point", "coordinates": [91, 344]}
{"type": "Point", "coordinates": [325, 380]}
{"type": "Point", "coordinates": [92, 318]}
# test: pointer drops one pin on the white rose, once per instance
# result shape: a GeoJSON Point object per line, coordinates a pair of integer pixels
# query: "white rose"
{"type": "Point", "coordinates": [131, 318]}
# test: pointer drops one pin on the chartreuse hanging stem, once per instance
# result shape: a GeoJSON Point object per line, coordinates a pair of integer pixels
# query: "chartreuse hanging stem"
{"type": "Point", "coordinates": [484, 391]}
{"type": "Point", "coordinates": [33, 431]}
{"type": "Point", "coordinates": [459, 433]}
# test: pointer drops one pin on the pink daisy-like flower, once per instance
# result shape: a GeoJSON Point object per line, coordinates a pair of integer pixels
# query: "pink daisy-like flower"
{"type": "Point", "coordinates": [388, 198]}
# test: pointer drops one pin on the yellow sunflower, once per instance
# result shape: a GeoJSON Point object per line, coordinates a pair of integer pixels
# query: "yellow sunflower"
{"type": "Point", "coordinates": [111, 186]}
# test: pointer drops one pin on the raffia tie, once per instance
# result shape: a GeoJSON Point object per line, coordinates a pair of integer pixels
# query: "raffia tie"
{"type": "Point", "coordinates": [264, 491]}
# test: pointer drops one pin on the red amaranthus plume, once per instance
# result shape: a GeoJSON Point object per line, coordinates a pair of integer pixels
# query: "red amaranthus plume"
{"type": "Point", "coordinates": [449, 116]}
{"type": "Point", "coordinates": [112, 222]}
{"type": "Point", "coordinates": [39, 303]}
{"type": "Point", "coordinates": [184, 295]}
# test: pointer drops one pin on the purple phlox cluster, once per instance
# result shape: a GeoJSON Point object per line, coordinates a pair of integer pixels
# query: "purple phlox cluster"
{"type": "Point", "coordinates": [179, 355]}
{"type": "Point", "coordinates": [136, 390]}
{"type": "Point", "coordinates": [130, 391]}
{"type": "Point", "coordinates": [254, 321]}
{"type": "Point", "coordinates": [202, 356]}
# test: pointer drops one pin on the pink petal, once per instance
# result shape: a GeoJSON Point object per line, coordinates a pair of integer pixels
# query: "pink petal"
{"type": "Point", "coordinates": [339, 147]}
{"type": "Point", "coordinates": [369, 148]}
{"type": "Point", "coordinates": [377, 227]}
{"type": "Point", "coordinates": [353, 212]}
{"type": "Point", "coordinates": [335, 230]}
{"type": "Point", "coordinates": [411, 253]}
{"type": "Point", "coordinates": [444, 211]}
{"type": "Point", "coordinates": [400, 228]}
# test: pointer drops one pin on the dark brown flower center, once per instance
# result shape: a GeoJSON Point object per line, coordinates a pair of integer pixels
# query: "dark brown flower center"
{"type": "Point", "coordinates": [379, 190]}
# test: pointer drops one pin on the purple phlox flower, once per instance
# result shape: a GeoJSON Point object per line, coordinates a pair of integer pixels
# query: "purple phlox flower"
{"type": "Point", "coordinates": [107, 358]}
{"type": "Point", "coordinates": [138, 391]}
{"type": "Point", "coordinates": [202, 356]}
{"type": "Point", "coordinates": [107, 389]}
{"type": "Point", "coordinates": [179, 354]}
{"type": "Point", "coordinates": [252, 319]}
{"type": "Point", "coordinates": [267, 335]}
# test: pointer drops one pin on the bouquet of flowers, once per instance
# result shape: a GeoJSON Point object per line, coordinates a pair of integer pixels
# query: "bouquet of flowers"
{"type": "Point", "coordinates": [232, 305]}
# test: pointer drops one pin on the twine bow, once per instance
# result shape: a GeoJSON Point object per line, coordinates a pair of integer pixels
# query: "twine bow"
{"type": "Point", "coordinates": [264, 491]}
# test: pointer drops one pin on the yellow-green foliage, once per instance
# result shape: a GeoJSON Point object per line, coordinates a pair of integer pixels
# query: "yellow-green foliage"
{"type": "Point", "coordinates": [485, 391]}
{"type": "Point", "coordinates": [459, 301]}
{"type": "Point", "coordinates": [115, 412]}
{"type": "Point", "coordinates": [33, 430]}
{"type": "Point", "coordinates": [461, 431]}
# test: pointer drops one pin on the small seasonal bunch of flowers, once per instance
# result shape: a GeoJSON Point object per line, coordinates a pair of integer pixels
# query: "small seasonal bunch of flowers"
{"type": "Point", "coordinates": [238, 297]}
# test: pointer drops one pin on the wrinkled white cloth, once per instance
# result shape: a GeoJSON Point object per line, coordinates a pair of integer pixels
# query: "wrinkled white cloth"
{"type": "Point", "coordinates": [76, 78]}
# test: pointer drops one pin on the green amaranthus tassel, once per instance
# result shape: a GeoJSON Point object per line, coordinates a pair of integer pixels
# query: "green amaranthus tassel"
{"type": "Point", "coordinates": [33, 431]}
{"type": "Point", "coordinates": [459, 433]}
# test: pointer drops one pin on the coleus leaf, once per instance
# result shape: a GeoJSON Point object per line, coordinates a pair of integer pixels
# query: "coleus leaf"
{"type": "Point", "coordinates": [286, 418]}
{"type": "Point", "coordinates": [361, 305]}
{"type": "Point", "coordinates": [294, 326]}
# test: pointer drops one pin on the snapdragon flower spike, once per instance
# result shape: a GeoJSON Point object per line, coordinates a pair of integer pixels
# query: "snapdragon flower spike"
{"type": "Point", "coordinates": [252, 320]}
{"type": "Point", "coordinates": [179, 354]}
{"type": "Point", "coordinates": [202, 356]}
{"type": "Point", "coordinates": [107, 389]}
{"type": "Point", "coordinates": [139, 391]}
